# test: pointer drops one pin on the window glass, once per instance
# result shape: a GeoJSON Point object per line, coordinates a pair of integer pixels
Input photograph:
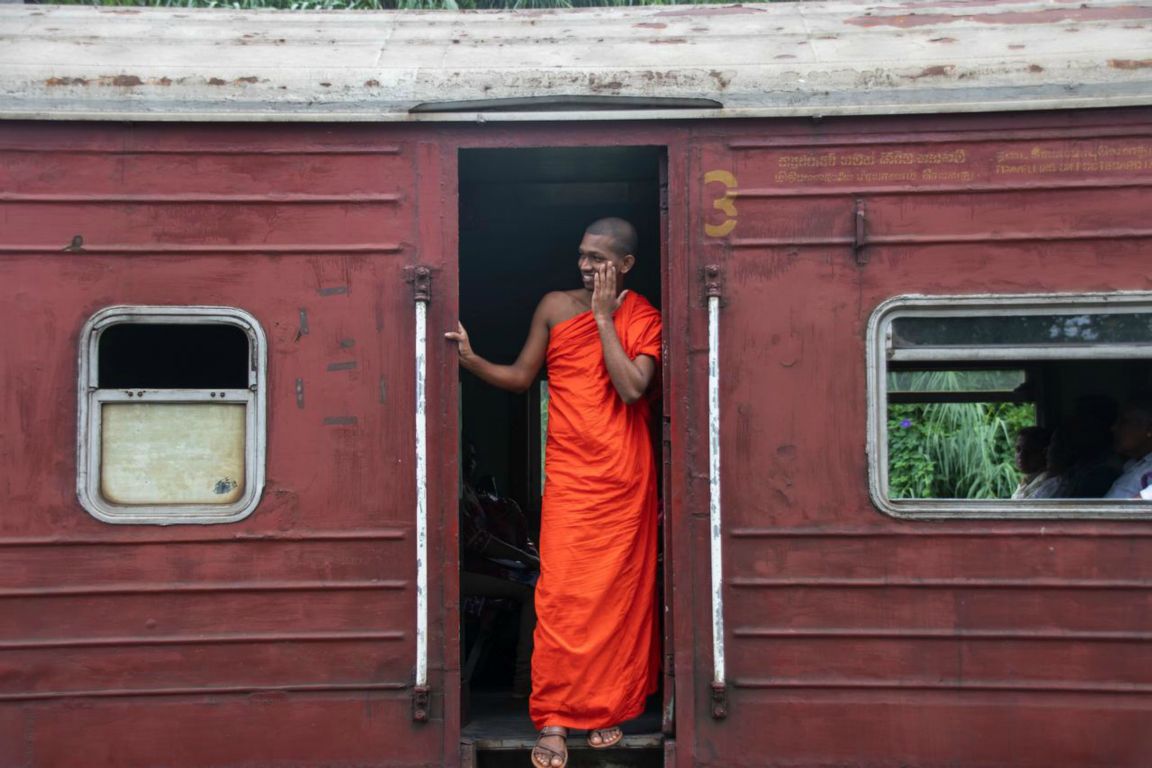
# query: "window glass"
{"type": "Point", "coordinates": [1023, 330]}
{"type": "Point", "coordinates": [172, 453]}
{"type": "Point", "coordinates": [955, 380]}
{"type": "Point", "coordinates": [172, 410]}
{"type": "Point", "coordinates": [1008, 406]}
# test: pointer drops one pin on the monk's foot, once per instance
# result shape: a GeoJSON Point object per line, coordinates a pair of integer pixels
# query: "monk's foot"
{"type": "Point", "coordinates": [551, 750]}
{"type": "Point", "coordinates": [602, 738]}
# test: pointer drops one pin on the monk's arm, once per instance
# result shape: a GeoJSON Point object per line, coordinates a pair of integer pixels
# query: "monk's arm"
{"type": "Point", "coordinates": [630, 377]}
{"type": "Point", "coordinates": [518, 376]}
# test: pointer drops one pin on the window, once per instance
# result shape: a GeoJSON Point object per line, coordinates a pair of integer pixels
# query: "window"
{"type": "Point", "coordinates": [171, 415]}
{"type": "Point", "coordinates": [975, 399]}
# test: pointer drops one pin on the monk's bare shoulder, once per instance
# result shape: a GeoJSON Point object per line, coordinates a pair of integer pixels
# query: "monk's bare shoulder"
{"type": "Point", "coordinates": [558, 306]}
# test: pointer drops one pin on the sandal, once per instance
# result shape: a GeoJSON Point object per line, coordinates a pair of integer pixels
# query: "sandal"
{"type": "Point", "coordinates": [609, 737]}
{"type": "Point", "coordinates": [546, 757]}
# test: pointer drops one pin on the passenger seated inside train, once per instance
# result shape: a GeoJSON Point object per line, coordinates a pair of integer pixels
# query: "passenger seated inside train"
{"type": "Point", "coordinates": [1080, 453]}
{"type": "Point", "coordinates": [499, 565]}
{"type": "Point", "coordinates": [1032, 461]}
{"type": "Point", "coordinates": [1040, 431]}
{"type": "Point", "coordinates": [1133, 441]}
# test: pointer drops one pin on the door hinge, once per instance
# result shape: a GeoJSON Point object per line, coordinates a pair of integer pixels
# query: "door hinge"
{"type": "Point", "coordinates": [713, 285]}
{"type": "Point", "coordinates": [420, 698]}
{"type": "Point", "coordinates": [719, 701]}
{"type": "Point", "coordinates": [421, 278]}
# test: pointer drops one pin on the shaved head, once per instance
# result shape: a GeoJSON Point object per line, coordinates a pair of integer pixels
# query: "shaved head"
{"type": "Point", "coordinates": [622, 234]}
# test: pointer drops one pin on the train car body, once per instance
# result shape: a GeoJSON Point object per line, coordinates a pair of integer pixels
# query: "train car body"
{"type": "Point", "coordinates": [247, 556]}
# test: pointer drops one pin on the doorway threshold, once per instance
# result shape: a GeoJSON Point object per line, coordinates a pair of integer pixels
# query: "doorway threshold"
{"type": "Point", "coordinates": [500, 734]}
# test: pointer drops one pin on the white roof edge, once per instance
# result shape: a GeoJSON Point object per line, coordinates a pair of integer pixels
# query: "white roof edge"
{"type": "Point", "coordinates": [815, 59]}
{"type": "Point", "coordinates": [479, 118]}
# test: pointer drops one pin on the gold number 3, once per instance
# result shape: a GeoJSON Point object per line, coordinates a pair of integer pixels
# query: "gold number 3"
{"type": "Point", "coordinates": [724, 203]}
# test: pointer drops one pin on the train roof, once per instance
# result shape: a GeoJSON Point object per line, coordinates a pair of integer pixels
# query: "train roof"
{"type": "Point", "coordinates": [652, 62]}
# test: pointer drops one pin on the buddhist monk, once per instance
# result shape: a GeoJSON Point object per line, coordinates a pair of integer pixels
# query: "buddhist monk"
{"type": "Point", "coordinates": [597, 655]}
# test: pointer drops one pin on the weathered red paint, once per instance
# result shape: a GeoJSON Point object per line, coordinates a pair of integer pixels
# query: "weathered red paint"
{"type": "Point", "coordinates": [287, 639]}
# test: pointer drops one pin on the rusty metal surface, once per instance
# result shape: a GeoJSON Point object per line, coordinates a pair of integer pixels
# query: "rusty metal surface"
{"type": "Point", "coordinates": [62, 62]}
{"type": "Point", "coordinates": [854, 638]}
{"type": "Point", "coordinates": [287, 637]}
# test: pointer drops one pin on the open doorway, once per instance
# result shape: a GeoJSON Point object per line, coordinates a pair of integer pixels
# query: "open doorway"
{"type": "Point", "coordinates": [522, 215]}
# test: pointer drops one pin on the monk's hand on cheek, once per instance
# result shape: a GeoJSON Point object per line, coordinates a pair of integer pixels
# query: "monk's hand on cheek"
{"type": "Point", "coordinates": [604, 299]}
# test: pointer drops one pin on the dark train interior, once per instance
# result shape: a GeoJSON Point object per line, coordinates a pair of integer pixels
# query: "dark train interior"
{"type": "Point", "coordinates": [522, 216]}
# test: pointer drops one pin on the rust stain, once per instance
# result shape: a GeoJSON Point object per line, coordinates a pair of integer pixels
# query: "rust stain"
{"type": "Point", "coordinates": [669, 41]}
{"type": "Point", "coordinates": [127, 81]}
{"type": "Point", "coordinates": [216, 81]}
{"type": "Point", "coordinates": [722, 80]}
{"type": "Point", "coordinates": [248, 79]}
{"type": "Point", "coordinates": [372, 83]}
{"type": "Point", "coordinates": [55, 81]}
{"type": "Point", "coordinates": [726, 10]}
{"type": "Point", "coordinates": [1035, 68]}
{"type": "Point", "coordinates": [650, 25]}
{"type": "Point", "coordinates": [1130, 63]}
{"type": "Point", "coordinates": [163, 81]}
{"type": "Point", "coordinates": [610, 85]}
{"type": "Point", "coordinates": [1047, 16]}
{"type": "Point", "coordinates": [939, 70]}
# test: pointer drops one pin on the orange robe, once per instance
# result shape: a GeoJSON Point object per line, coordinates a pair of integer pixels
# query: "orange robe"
{"type": "Point", "coordinates": [597, 651]}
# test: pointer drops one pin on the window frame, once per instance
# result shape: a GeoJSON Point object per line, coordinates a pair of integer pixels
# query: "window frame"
{"type": "Point", "coordinates": [922, 305]}
{"type": "Point", "coordinates": [90, 400]}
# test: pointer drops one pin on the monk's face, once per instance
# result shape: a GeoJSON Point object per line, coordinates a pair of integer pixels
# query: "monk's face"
{"type": "Point", "coordinates": [601, 250]}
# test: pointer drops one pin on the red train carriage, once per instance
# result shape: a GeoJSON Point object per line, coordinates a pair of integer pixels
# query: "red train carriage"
{"type": "Point", "coordinates": [229, 244]}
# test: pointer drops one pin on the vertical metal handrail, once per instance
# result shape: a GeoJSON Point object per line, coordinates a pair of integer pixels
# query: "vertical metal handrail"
{"type": "Point", "coordinates": [422, 295]}
{"type": "Point", "coordinates": [719, 690]}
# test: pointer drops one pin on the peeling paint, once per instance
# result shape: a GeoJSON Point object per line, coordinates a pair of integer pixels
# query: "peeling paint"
{"type": "Point", "coordinates": [216, 81]}
{"type": "Point", "coordinates": [650, 25]}
{"type": "Point", "coordinates": [58, 81]}
{"type": "Point", "coordinates": [127, 81]}
{"type": "Point", "coordinates": [1045, 16]}
{"type": "Point", "coordinates": [725, 10]}
{"type": "Point", "coordinates": [938, 70]}
{"type": "Point", "coordinates": [1130, 63]}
